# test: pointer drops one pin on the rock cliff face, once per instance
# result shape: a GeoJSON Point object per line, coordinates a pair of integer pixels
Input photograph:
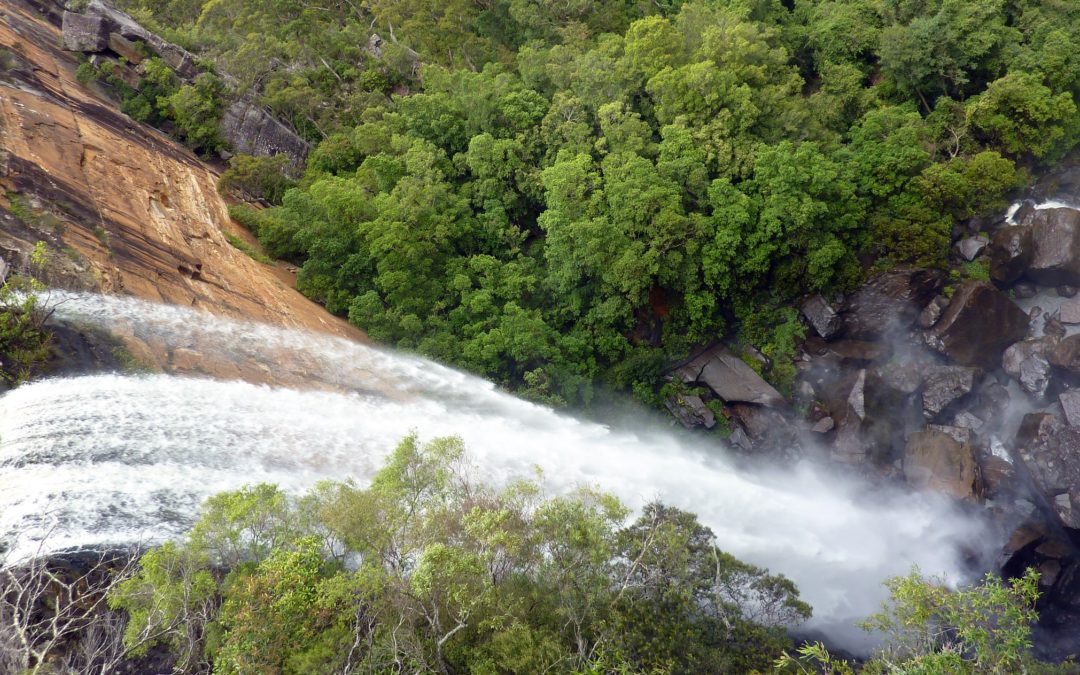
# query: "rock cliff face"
{"type": "Point", "coordinates": [123, 208]}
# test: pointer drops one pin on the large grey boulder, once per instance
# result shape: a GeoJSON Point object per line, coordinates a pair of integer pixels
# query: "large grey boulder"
{"type": "Point", "coordinates": [765, 428]}
{"type": "Point", "coordinates": [1050, 450]}
{"type": "Point", "coordinates": [1028, 362]}
{"type": "Point", "coordinates": [1055, 257]}
{"type": "Point", "coordinates": [821, 315]}
{"type": "Point", "coordinates": [945, 385]}
{"type": "Point", "coordinates": [935, 460]}
{"type": "Point", "coordinates": [889, 301]}
{"type": "Point", "coordinates": [84, 33]}
{"type": "Point", "coordinates": [969, 248]}
{"type": "Point", "coordinates": [978, 325]}
{"type": "Point", "coordinates": [719, 369]}
{"type": "Point", "coordinates": [252, 131]}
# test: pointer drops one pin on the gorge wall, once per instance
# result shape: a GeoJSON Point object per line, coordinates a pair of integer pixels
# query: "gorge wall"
{"type": "Point", "coordinates": [122, 207]}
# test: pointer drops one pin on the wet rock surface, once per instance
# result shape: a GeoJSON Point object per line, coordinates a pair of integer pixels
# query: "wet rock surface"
{"type": "Point", "coordinates": [889, 301]}
{"type": "Point", "coordinates": [1010, 254]}
{"type": "Point", "coordinates": [944, 385]}
{"type": "Point", "coordinates": [978, 325]}
{"type": "Point", "coordinates": [1055, 253]}
{"type": "Point", "coordinates": [1028, 362]}
{"type": "Point", "coordinates": [1050, 451]}
{"type": "Point", "coordinates": [937, 460]}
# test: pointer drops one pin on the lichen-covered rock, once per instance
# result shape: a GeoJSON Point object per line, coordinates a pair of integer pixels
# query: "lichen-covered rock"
{"type": "Point", "coordinates": [84, 33]}
{"type": "Point", "coordinates": [979, 324]}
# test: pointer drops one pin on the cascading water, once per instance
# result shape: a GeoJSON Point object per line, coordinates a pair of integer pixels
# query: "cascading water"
{"type": "Point", "coordinates": [118, 458]}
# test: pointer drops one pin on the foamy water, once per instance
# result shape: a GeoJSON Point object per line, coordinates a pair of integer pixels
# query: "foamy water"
{"type": "Point", "coordinates": [118, 458]}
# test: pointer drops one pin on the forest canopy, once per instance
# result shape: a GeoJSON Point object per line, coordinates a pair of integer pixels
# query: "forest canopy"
{"type": "Point", "coordinates": [565, 196]}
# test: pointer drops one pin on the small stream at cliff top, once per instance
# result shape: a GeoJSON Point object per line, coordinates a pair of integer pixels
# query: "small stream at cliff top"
{"type": "Point", "coordinates": [113, 459]}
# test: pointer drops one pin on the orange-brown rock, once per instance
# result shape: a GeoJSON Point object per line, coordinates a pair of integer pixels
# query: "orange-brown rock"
{"type": "Point", "coordinates": [138, 212]}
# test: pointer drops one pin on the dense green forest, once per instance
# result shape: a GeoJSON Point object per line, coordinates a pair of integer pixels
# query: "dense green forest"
{"type": "Point", "coordinates": [564, 196]}
{"type": "Point", "coordinates": [428, 570]}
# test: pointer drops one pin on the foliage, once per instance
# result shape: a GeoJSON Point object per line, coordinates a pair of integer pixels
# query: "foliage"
{"type": "Point", "coordinates": [929, 627]}
{"type": "Point", "coordinates": [430, 571]}
{"type": "Point", "coordinates": [196, 109]}
{"type": "Point", "coordinates": [265, 178]}
{"type": "Point", "coordinates": [24, 338]}
{"type": "Point", "coordinates": [561, 195]}
{"type": "Point", "coordinates": [248, 249]}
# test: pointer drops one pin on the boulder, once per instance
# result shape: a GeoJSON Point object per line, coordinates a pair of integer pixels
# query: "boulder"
{"type": "Point", "coordinates": [1052, 327]}
{"type": "Point", "coordinates": [252, 131]}
{"type": "Point", "coordinates": [932, 312]}
{"type": "Point", "coordinates": [889, 301]}
{"type": "Point", "coordinates": [823, 425]}
{"type": "Point", "coordinates": [1028, 362]}
{"type": "Point", "coordinates": [1066, 291]}
{"type": "Point", "coordinates": [846, 402]}
{"type": "Point", "coordinates": [979, 324]}
{"type": "Point", "coordinates": [945, 385]}
{"type": "Point", "coordinates": [125, 47]}
{"type": "Point", "coordinates": [4, 270]}
{"type": "Point", "coordinates": [962, 434]}
{"type": "Point", "coordinates": [1010, 253]}
{"type": "Point", "coordinates": [935, 460]}
{"type": "Point", "coordinates": [1069, 312]}
{"type": "Point", "coordinates": [969, 248]}
{"type": "Point", "coordinates": [691, 411]}
{"type": "Point", "coordinates": [998, 475]}
{"type": "Point", "coordinates": [1055, 257]}
{"type": "Point", "coordinates": [1050, 450]}
{"type": "Point", "coordinates": [821, 316]}
{"type": "Point", "coordinates": [766, 428]}
{"type": "Point", "coordinates": [179, 59]}
{"type": "Point", "coordinates": [84, 33]}
{"type": "Point", "coordinates": [986, 411]}
{"type": "Point", "coordinates": [719, 369]}
{"type": "Point", "coordinates": [1070, 404]}
{"type": "Point", "coordinates": [1066, 354]}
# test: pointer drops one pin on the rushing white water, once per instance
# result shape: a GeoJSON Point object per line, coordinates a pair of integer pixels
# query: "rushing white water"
{"type": "Point", "coordinates": [1010, 214]}
{"type": "Point", "coordinates": [115, 458]}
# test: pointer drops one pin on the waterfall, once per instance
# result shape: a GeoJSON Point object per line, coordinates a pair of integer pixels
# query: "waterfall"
{"type": "Point", "coordinates": [116, 458]}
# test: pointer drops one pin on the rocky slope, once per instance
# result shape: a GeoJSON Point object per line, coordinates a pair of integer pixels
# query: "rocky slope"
{"type": "Point", "coordinates": [123, 208]}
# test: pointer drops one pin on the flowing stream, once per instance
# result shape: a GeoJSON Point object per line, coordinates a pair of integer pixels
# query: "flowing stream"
{"type": "Point", "coordinates": [116, 458]}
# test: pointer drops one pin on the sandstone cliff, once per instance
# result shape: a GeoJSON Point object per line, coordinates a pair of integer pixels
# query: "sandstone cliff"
{"type": "Point", "coordinates": [124, 208]}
